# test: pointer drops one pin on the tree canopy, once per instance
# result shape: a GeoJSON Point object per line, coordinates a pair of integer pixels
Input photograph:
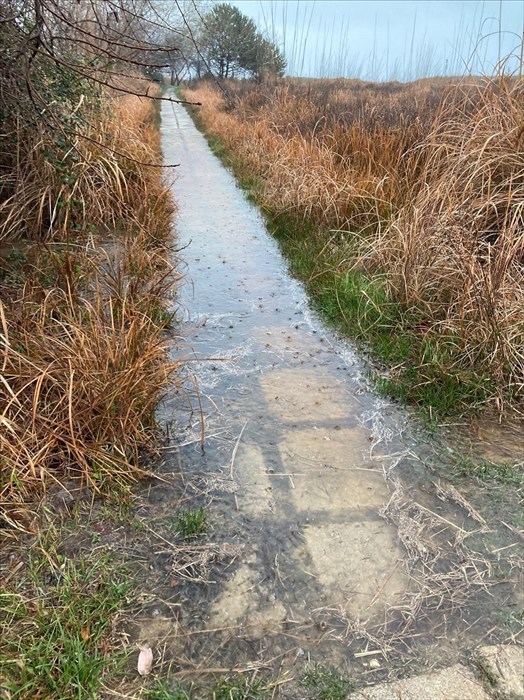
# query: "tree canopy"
{"type": "Point", "coordinates": [234, 47]}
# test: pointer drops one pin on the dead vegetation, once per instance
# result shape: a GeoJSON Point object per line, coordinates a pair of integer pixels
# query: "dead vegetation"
{"type": "Point", "coordinates": [85, 269]}
{"type": "Point", "coordinates": [454, 574]}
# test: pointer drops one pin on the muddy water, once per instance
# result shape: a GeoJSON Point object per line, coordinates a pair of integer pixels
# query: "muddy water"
{"type": "Point", "coordinates": [332, 538]}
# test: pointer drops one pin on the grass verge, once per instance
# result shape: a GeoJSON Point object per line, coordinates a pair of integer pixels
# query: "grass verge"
{"type": "Point", "coordinates": [83, 316]}
{"type": "Point", "coordinates": [415, 364]}
{"type": "Point", "coordinates": [325, 683]}
{"type": "Point", "coordinates": [86, 283]}
{"type": "Point", "coordinates": [57, 615]}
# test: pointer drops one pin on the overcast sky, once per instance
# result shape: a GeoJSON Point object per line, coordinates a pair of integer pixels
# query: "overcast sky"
{"type": "Point", "coordinates": [391, 39]}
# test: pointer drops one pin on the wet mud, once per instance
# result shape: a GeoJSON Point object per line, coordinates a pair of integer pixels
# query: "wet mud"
{"type": "Point", "coordinates": [334, 536]}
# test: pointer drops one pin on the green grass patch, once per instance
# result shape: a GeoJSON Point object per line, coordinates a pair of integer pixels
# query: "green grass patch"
{"type": "Point", "coordinates": [12, 262]}
{"type": "Point", "coordinates": [56, 624]}
{"type": "Point", "coordinates": [192, 522]}
{"type": "Point", "coordinates": [325, 683]}
{"type": "Point", "coordinates": [163, 690]}
{"type": "Point", "coordinates": [240, 687]}
{"type": "Point", "coordinates": [487, 472]}
{"type": "Point", "coordinates": [237, 686]}
{"type": "Point", "coordinates": [512, 619]}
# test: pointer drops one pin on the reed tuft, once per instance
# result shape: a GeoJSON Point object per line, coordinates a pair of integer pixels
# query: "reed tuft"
{"type": "Point", "coordinates": [85, 291]}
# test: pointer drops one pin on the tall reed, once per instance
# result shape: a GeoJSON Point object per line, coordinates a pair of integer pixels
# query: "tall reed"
{"type": "Point", "coordinates": [84, 303]}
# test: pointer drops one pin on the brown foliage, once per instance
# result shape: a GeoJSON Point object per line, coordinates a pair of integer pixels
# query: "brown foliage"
{"type": "Point", "coordinates": [82, 345]}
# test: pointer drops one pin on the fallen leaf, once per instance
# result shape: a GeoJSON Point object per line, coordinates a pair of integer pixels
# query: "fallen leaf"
{"type": "Point", "coordinates": [84, 634]}
{"type": "Point", "coordinates": [145, 660]}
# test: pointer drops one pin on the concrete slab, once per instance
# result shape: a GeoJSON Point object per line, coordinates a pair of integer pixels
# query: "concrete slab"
{"type": "Point", "coordinates": [313, 396]}
{"type": "Point", "coordinates": [454, 683]}
{"type": "Point", "coordinates": [359, 564]}
{"type": "Point", "coordinates": [332, 474]}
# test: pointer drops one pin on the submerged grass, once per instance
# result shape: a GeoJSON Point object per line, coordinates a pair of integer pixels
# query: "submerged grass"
{"type": "Point", "coordinates": [343, 170]}
{"type": "Point", "coordinates": [325, 683]}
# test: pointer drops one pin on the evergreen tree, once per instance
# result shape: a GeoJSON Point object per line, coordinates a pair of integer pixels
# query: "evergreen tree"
{"type": "Point", "coordinates": [234, 47]}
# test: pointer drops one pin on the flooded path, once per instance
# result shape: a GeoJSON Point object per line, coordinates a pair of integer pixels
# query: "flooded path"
{"type": "Point", "coordinates": [333, 539]}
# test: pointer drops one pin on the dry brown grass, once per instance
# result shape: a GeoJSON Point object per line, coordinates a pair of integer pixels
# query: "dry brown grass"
{"type": "Point", "coordinates": [427, 182]}
{"type": "Point", "coordinates": [82, 371]}
{"type": "Point", "coordinates": [337, 153]}
{"type": "Point", "coordinates": [95, 177]}
{"type": "Point", "coordinates": [457, 246]}
{"type": "Point", "coordinates": [83, 350]}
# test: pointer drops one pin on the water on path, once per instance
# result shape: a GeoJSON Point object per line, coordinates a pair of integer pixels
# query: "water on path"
{"type": "Point", "coordinates": [330, 539]}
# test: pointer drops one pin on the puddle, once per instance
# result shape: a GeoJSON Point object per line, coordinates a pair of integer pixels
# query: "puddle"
{"type": "Point", "coordinates": [344, 546]}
